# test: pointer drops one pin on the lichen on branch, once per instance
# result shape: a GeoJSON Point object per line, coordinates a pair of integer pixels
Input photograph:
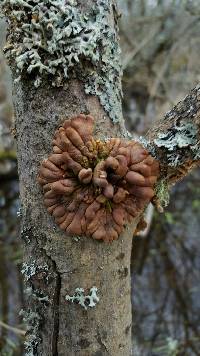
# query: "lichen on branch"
{"type": "Point", "coordinates": [175, 140]}
{"type": "Point", "coordinates": [56, 40]}
{"type": "Point", "coordinates": [95, 188]}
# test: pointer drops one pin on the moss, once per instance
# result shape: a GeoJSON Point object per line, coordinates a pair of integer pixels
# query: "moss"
{"type": "Point", "coordinates": [8, 155]}
{"type": "Point", "coordinates": [169, 218]}
{"type": "Point", "coordinates": [54, 39]}
{"type": "Point", "coordinates": [196, 204]}
{"type": "Point", "coordinates": [162, 194]}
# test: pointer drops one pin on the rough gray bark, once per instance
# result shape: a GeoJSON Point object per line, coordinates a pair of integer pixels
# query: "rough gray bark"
{"type": "Point", "coordinates": [64, 328]}
{"type": "Point", "coordinates": [61, 328]}
{"type": "Point", "coordinates": [175, 139]}
{"type": "Point", "coordinates": [55, 264]}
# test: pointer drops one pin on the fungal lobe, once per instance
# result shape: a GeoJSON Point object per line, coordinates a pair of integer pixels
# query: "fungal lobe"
{"type": "Point", "coordinates": [95, 188]}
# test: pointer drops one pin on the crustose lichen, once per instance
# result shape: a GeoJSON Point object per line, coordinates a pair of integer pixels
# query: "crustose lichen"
{"type": "Point", "coordinates": [54, 39]}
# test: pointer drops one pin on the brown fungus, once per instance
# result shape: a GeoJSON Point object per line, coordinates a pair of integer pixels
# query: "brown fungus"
{"type": "Point", "coordinates": [92, 187]}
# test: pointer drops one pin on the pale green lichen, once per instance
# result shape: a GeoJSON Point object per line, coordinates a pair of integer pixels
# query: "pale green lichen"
{"type": "Point", "coordinates": [19, 213]}
{"type": "Point", "coordinates": [86, 301]}
{"type": "Point", "coordinates": [179, 137]}
{"type": "Point", "coordinates": [30, 270]}
{"type": "Point", "coordinates": [37, 295]}
{"type": "Point", "coordinates": [181, 142]}
{"type": "Point", "coordinates": [32, 321]}
{"type": "Point", "coordinates": [54, 39]}
{"type": "Point", "coordinates": [34, 318]}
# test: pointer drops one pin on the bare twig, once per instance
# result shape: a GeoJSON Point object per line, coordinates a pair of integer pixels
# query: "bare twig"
{"type": "Point", "coordinates": [161, 73]}
{"type": "Point", "coordinates": [13, 329]}
{"type": "Point", "coordinates": [140, 46]}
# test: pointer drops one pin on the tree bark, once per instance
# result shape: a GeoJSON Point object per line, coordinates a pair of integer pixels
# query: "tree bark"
{"type": "Point", "coordinates": [175, 139]}
{"type": "Point", "coordinates": [56, 264]}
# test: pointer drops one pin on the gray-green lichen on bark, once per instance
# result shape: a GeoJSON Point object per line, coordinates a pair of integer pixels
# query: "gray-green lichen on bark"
{"type": "Point", "coordinates": [178, 134]}
{"type": "Point", "coordinates": [56, 40]}
{"type": "Point", "coordinates": [175, 142]}
{"type": "Point", "coordinates": [85, 301]}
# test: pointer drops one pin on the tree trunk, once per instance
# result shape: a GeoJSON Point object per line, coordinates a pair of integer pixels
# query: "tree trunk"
{"type": "Point", "coordinates": [55, 265]}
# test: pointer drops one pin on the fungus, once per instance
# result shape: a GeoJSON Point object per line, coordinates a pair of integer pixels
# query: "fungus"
{"type": "Point", "coordinates": [95, 188]}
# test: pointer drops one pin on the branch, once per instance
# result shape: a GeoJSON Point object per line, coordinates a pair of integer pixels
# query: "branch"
{"type": "Point", "coordinates": [13, 329]}
{"type": "Point", "coordinates": [175, 140]}
{"type": "Point", "coordinates": [130, 56]}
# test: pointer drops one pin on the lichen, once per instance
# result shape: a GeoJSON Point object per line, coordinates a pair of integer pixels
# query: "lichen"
{"type": "Point", "coordinates": [33, 317]}
{"type": "Point", "coordinates": [180, 136]}
{"type": "Point", "coordinates": [32, 320]}
{"type": "Point", "coordinates": [30, 270]}
{"type": "Point", "coordinates": [26, 232]}
{"type": "Point", "coordinates": [179, 141]}
{"type": "Point", "coordinates": [19, 213]}
{"type": "Point", "coordinates": [85, 301]}
{"type": "Point", "coordinates": [54, 39]}
{"type": "Point", "coordinates": [37, 295]}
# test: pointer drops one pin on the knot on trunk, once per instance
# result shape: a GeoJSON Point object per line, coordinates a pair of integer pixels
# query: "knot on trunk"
{"type": "Point", "coordinates": [95, 188]}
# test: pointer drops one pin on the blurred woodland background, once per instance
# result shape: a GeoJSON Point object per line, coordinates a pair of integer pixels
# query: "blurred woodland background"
{"type": "Point", "coordinates": [160, 54]}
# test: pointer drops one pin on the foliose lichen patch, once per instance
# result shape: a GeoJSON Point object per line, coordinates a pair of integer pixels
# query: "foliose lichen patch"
{"type": "Point", "coordinates": [85, 301]}
{"type": "Point", "coordinates": [30, 270]}
{"type": "Point", "coordinates": [54, 39]}
{"type": "Point", "coordinates": [33, 316]}
{"type": "Point", "coordinates": [178, 141]}
{"type": "Point", "coordinates": [32, 320]}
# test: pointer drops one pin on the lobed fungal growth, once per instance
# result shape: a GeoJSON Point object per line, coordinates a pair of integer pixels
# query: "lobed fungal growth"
{"type": "Point", "coordinates": [57, 40]}
{"type": "Point", "coordinates": [94, 188]}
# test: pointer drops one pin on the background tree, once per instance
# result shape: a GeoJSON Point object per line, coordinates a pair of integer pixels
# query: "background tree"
{"type": "Point", "coordinates": [53, 257]}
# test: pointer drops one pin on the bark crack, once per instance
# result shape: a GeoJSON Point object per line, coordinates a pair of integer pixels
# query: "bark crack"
{"type": "Point", "coordinates": [55, 306]}
{"type": "Point", "coordinates": [104, 348]}
{"type": "Point", "coordinates": [56, 301]}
